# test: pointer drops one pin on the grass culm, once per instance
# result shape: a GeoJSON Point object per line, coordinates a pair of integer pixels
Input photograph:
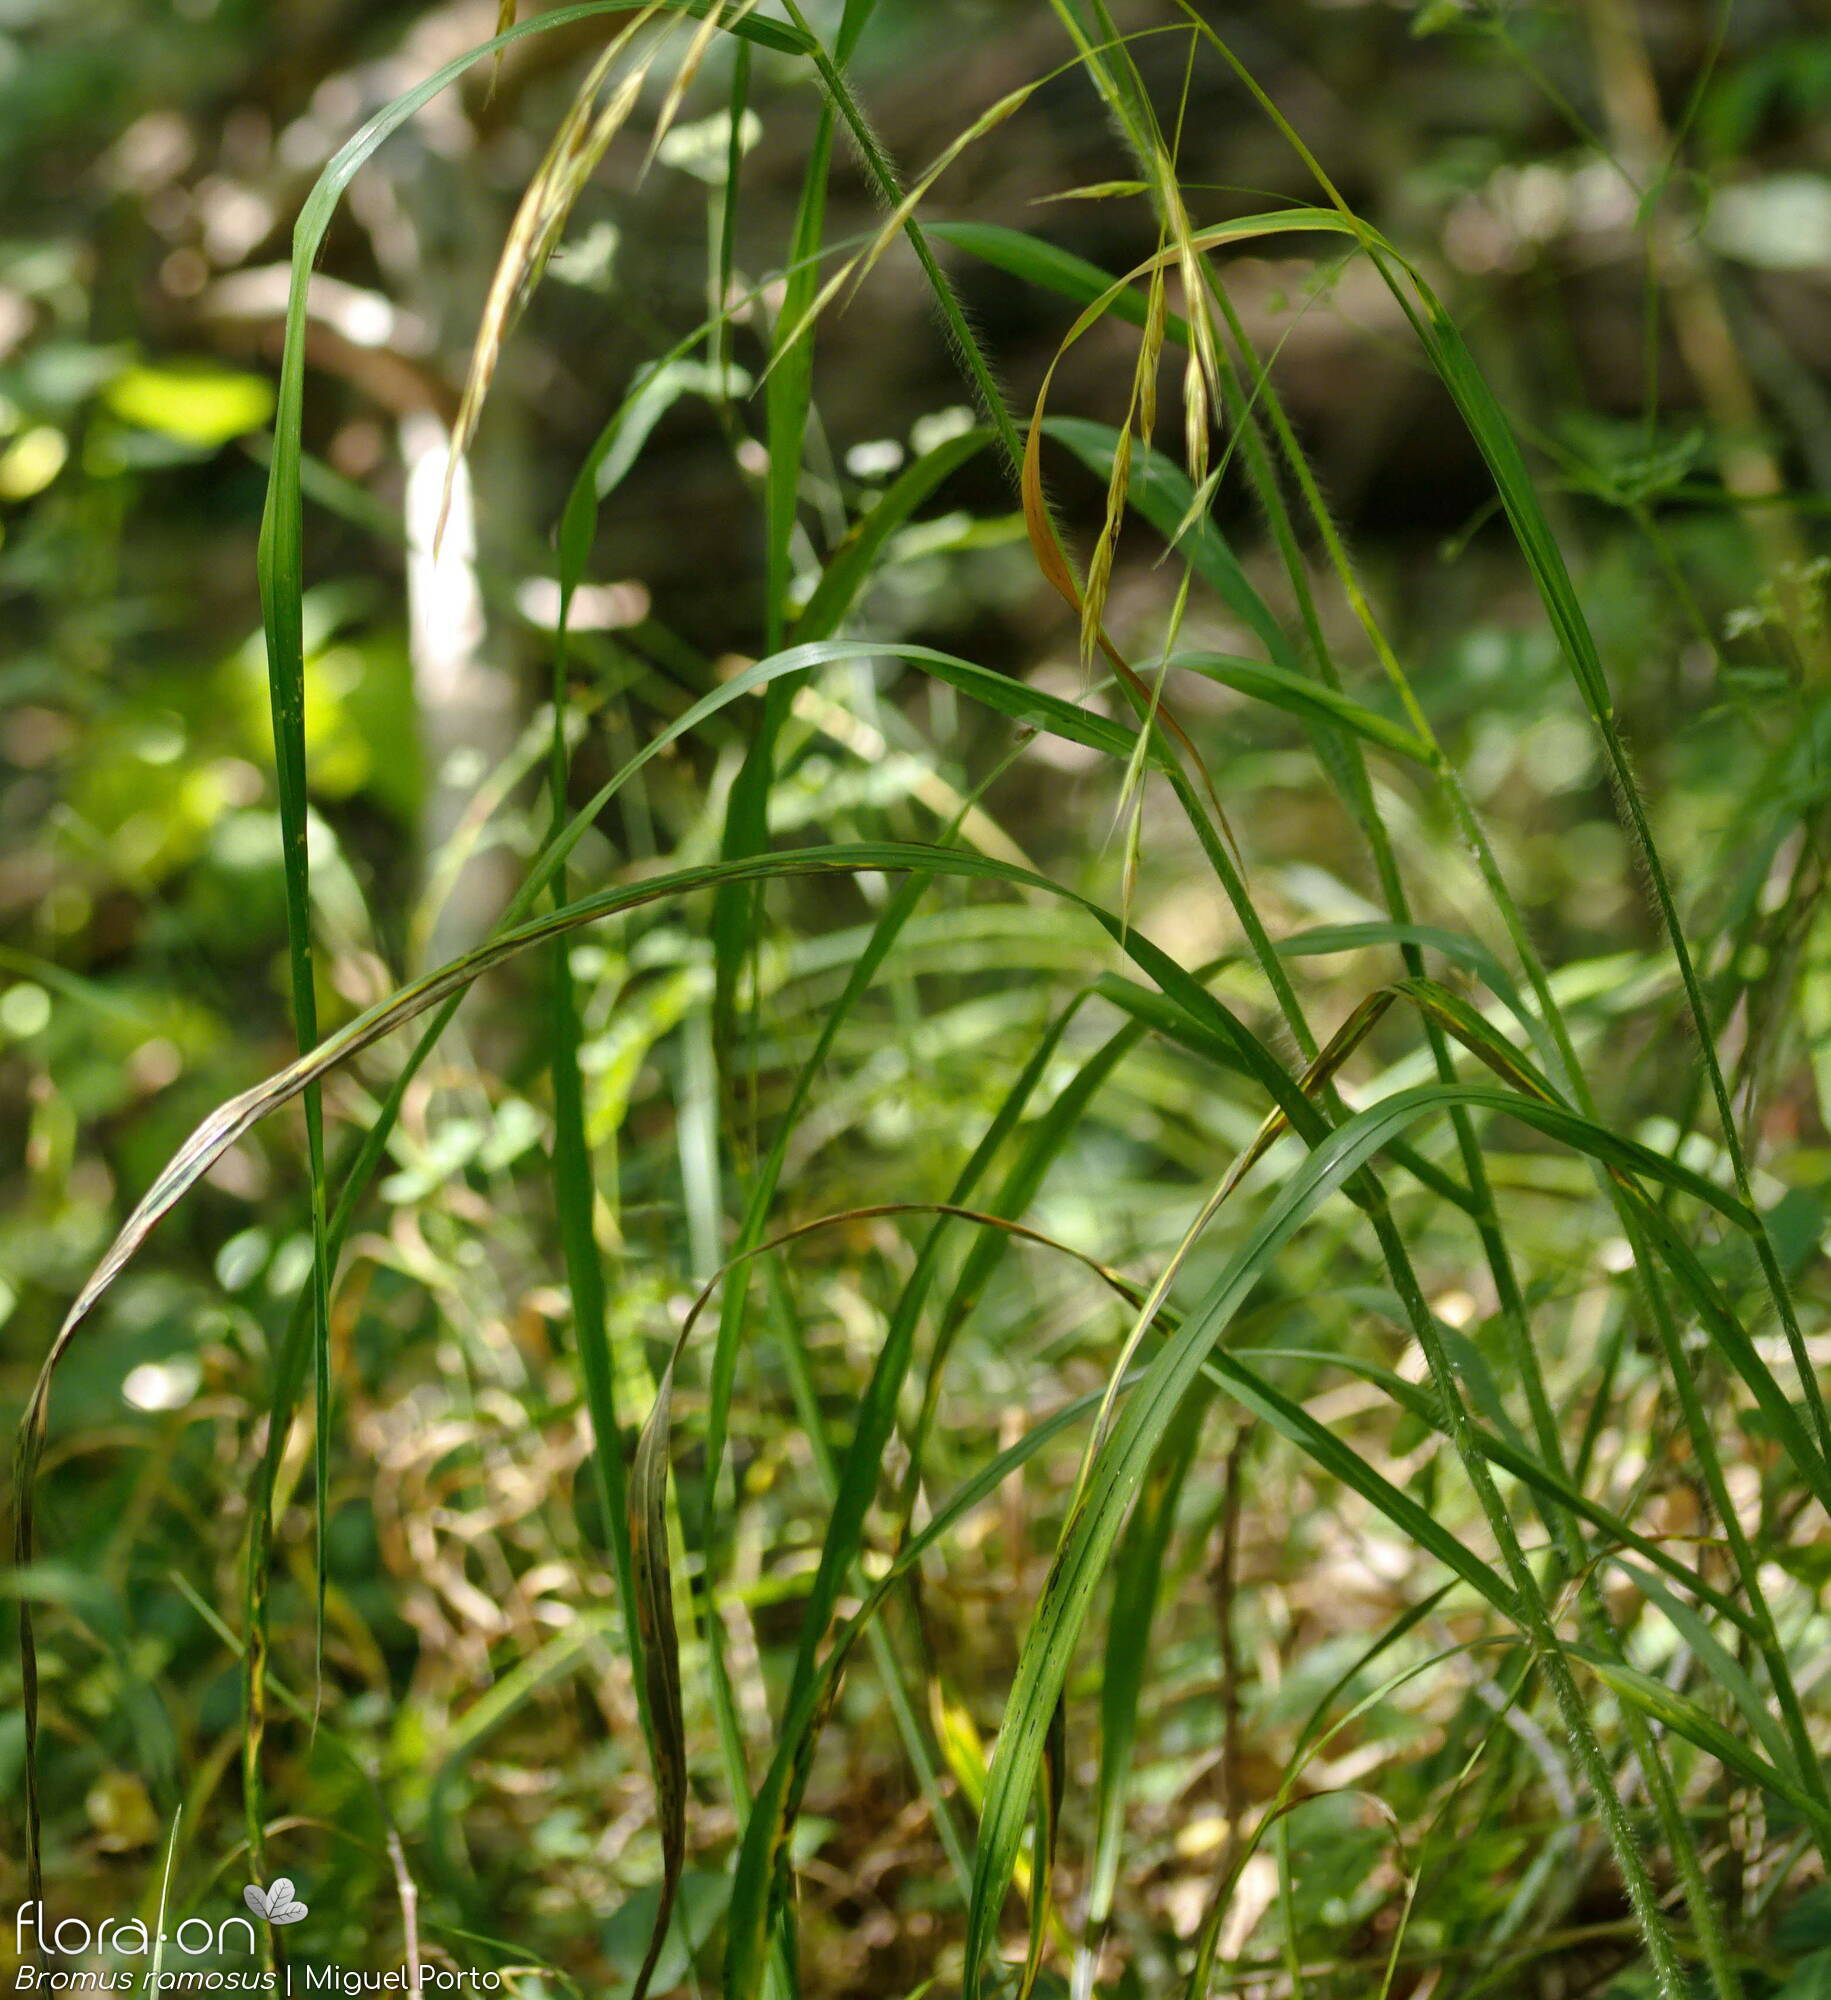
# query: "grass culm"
{"type": "Point", "coordinates": [1017, 1349]}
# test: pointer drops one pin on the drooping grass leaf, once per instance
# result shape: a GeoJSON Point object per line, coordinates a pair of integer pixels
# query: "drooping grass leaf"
{"type": "Point", "coordinates": [1138, 1580]}
{"type": "Point", "coordinates": [1299, 695]}
{"type": "Point", "coordinates": [1119, 1466]}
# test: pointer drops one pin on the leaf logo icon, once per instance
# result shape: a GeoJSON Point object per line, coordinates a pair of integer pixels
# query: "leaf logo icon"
{"type": "Point", "coordinates": [275, 1905]}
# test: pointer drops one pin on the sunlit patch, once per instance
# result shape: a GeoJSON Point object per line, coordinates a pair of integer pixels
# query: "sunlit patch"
{"type": "Point", "coordinates": [594, 607]}
{"type": "Point", "coordinates": [25, 1010]}
{"type": "Point", "coordinates": [162, 1385]}
{"type": "Point", "coordinates": [31, 462]}
{"type": "Point", "coordinates": [875, 459]}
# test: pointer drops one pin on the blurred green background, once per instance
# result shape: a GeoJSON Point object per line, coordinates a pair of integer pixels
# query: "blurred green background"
{"type": "Point", "coordinates": [152, 160]}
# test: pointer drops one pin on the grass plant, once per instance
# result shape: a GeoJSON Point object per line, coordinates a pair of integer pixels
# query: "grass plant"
{"type": "Point", "coordinates": [1397, 1248]}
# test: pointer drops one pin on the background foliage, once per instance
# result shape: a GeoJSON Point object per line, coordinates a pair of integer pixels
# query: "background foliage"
{"type": "Point", "coordinates": [1627, 212]}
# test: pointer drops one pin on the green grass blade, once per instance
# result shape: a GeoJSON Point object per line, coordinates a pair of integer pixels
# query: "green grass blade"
{"type": "Point", "coordinates": [1513, 1458]}
{"type": "Point", "coordinates": [1721, 1664]}
{"type": "Point", "coordinates": [778, 1796]}
{"type": "Point", "coordinates": [1298, 695]}
{"type": "Point", "coordinates": [1161, 491]}
{"type": "Point", "coordinates": [788, 395]}
{"type": "Point", "coordinates": [1494, 437]}
{"type": "Point", "coordinates": [281, 574]}
{"type": "Point", "coordinates": [1036, 262]}
{"type": "Point", "coordinates": [1138, 1577]}
{"type": "Point", "coordinates": [574, 1181]}
{"type": "Point", "coordinates": [1120, 1466]}
{"type": "Point", "coordinates": [1677, 1712]}
{"type": "Point", "coordinates": [660, 1656]}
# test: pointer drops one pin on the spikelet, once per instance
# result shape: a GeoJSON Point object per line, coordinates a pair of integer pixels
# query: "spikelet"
{"type": "Point", "coordinates": [689, 68]}
{"type": "Point", "coordinates": [1100, 564]}
{"type": "Point", "coordinates": [857, 268]}
{"type": "Point", "coordinates": [1195, 421]}
{"type": "Point", "coordinates": [1202, 374]}
{"type": "Point", "coordinates": [1150, 354]}
{"type": "Point", "coordinates": [1051, 559]}
{"type": "Point", "coordinates": [578, 146]}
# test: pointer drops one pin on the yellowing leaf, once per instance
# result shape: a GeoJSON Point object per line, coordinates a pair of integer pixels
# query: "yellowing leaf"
{"type": "Point", "coordinates": [197, 403]}
{"type": "Point", "coordinates": [31, 462]}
